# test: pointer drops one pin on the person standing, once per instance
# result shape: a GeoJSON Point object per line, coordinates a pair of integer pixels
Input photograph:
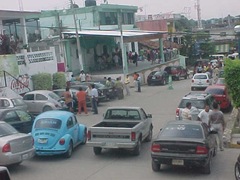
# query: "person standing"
{"type": "Point", "coordinates": [89, 94]}
{"type": "Point", "coordinates": [68, 99]}
{"type": "Point", "coordinates": [204, 115]}
{"type": "Point", "coordinates": [94, 94]}
{"type": "Point", "coordinates": [186, 114]}
{"type": "Point", "coordinates": [138, 83]}
{"type": "Point", "coordinates": [127, 82]}
{"type": "Point", "coordinates": [216, 121]}
{"type": "Point", "coordinates": [119, 88]}
{"type": "Point", "coordinates": [82, 76]}
{"type": "Point", "coordinates": [81, 98]}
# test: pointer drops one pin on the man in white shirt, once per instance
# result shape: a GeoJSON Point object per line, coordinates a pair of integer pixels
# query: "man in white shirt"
{"type": "Point", "coordinates": [94, 94]}
{"type": "Point", "coordinates": [186, 114]}
{"type": "Point", "coordinates": [204, 114]}
{"type": "Point", "coordinates": [82, 76]}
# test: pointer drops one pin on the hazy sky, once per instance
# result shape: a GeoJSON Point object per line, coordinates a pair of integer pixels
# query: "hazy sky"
{"type": "Point", "coordinates": [209, 8]}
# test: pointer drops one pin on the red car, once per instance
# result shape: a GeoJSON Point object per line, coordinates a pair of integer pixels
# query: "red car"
{"type": "Point", "coordinates": [220, 94]}
{"type": "Point", "coordinates": [177, 72]}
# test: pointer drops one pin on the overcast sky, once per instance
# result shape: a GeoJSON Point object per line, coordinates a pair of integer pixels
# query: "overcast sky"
{"type": "Point", "coordinates": [209, 8]}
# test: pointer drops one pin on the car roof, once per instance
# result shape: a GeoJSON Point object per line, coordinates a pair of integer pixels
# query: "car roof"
{"type": "Point", "coordinates": [184, 122]}
{"type": "Point", "coordinates": [124, 107]}
{"type": "Point", "coordinates": [216, 87]}
{"type": "Point", "coordinates": [56, 114]}
{"type": "Point", "coordinates": [196, 95]}
{"type": "Point", "coordinates": [201, 74]}
{"type": "Point", "coordinates": [39, 91]}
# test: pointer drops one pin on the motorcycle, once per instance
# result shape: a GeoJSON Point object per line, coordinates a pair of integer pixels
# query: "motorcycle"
{"type": "Point", "coordinates": [237, 166]}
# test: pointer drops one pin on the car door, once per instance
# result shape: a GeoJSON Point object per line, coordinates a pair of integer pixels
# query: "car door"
{"type": "Point", "coordinates": [146, 122]}
{"type": "Point", "coordinates": [40, 101]}
{"type": "Point", "coordinates": [72, 129]}
{"type": "Point", "coordinates": [29, 100]}
{"type": "Point", "coordinates": [26, 120]}
{"type": "Point", "coordinates": [12, 118]}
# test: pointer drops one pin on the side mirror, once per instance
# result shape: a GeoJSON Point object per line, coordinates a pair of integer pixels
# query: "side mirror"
{"type": "Point", "coordinates": [149, 116]}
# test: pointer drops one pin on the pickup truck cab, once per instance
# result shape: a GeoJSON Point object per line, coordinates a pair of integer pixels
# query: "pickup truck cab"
{"type": "Point", "coordinates": [121, 128]}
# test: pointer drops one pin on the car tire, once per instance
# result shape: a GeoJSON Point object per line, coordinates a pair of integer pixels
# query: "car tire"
{"type": "Point", "coordinates": [137, 148]}
{"type": "Point", "coordinates": [164, 82]}
{"type": "Point", "coordinates": [97, 150]}
{"type": "Point", "coordinates": [68, 154]}
{"type": "Point", "coordinates": [207, 169]}
{"type": "Point", "coordinates": [149, 137]}
{"type": "Point", "coordinates": [155, 166]}
{"type": "Point", "coordinates": [47, 108]}
{"type": "Point", "coordinates": [192, 88]}
{"type": "Point", "coordinates": [236, 171]}
{"type": "Point", "coordinates": [185, 77]}
{"type": "Point", "coordinates": [85, 137]}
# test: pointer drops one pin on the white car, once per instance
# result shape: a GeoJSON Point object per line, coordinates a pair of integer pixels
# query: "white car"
{"type": "Point", "coordinates": [200, 81]}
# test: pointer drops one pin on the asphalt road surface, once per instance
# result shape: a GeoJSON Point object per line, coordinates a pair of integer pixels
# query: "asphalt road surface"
{"type": "Point", "coordinates": [121, 165]}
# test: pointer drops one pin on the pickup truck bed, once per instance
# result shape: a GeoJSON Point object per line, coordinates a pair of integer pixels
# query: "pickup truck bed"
{"type": "Point", "coordinates": [116, 124]}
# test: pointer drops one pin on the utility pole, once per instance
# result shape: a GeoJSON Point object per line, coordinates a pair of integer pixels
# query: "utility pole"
{"type": "Point", "coordinates": [77, 37]}
{"type": "Point", "coordinates": [197, 6]}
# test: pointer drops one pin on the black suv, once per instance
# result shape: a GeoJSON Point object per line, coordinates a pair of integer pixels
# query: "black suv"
{"type": "Point", "coordinates": [198, 101]}
{"type": "Point", "coordinates": [176, 72]}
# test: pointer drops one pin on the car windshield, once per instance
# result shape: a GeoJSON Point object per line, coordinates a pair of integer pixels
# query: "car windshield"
{"type": "Point", "coordinates": [48, 123]}
{"type": "Point", "coordinates": [200, 76]}
{"type": "Point", "coordinates": [54, 96]}
{"type": "Point", "coordinates": [17, 102]}
{"type": "Point", "coordinates": [99, 85]}
{"type": "Point", "coordinates": [6, 130]}
{"type": "Point", "coordinates": [123, 114]}
{"type": "Point", "coordinates": [182, 131]}
{"type": "Point", "coordinates": [215, 91]}
{"type": "Point", "coordinates": [158, 73]}
{"type": "Point", "coordinates": [198, 103]}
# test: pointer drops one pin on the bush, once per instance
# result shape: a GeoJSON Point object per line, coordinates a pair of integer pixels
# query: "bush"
{"type": "Point", "coordinates": [42, 81]}
{"type": "Point", "coordinates": [232, 79]}
{"type": "Point", "coordinates": [59, 80]}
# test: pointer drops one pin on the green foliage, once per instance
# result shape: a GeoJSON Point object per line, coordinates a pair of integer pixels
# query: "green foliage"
{"type": "Point", "coordinates": [42, 81]}
{"type": "Point", "coordinates": [59, 80]}
{"type": "Point", "coordinates": [232, 79]}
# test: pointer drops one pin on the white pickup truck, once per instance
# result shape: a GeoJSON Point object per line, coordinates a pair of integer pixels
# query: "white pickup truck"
{"type": "Point", "coordinates": [121, 128]}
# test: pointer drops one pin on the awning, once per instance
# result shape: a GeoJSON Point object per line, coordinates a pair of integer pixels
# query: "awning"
{"type": "Point", "coordinates": [128, 36]}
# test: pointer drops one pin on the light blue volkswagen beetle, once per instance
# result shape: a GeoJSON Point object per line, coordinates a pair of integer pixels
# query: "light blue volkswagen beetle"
{"type": "Point", "coordinates": [57, 132]}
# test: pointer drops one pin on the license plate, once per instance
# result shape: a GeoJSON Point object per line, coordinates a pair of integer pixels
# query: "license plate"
{"type": "Point", "coordinates": [153, 77]}
{"type": "Point", "coordinates": [110, 90]}
{"type": "Point", "coordinates": [24, 156]}
{"type": "Point", "coordinates": [42, 141]}
{"type": "Point", "coordinates": [178, 162]}
{"type": "Point", "coordinates": [110, 144]}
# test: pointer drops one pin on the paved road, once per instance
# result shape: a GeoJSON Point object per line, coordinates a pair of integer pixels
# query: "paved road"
{"type": "Point", "coordinates": [118, 165]}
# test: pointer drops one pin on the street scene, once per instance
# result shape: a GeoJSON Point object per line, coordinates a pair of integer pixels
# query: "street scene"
{"type": "Point", "coordinates": [100, 89]}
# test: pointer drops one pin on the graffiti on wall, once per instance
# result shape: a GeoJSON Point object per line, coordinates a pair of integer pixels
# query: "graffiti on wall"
{"type": "Point", "coordinates": [21, 84]}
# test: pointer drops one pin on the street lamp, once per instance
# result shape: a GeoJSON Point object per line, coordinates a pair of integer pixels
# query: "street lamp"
{"type": "Point", "coordinates": [237, 31]}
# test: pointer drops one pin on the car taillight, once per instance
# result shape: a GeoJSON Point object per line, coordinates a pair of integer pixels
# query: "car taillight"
{"type": "Point", "coordinates": [177, 111]}
{"type": "Point", "coordinates": [89, 135]}
{"type": "Point", "coordinates": [6, 148]}
{"type": "Point", "coordinates": [133, 136]}
{"type": "Point", "coordinates": [62, 141]}
{"type": "Point", "coordinates": [201, 150]}
{"type": "Point", "coordinates": [156, 147]}
{"type": "Point", "coordinates": [192, 81]}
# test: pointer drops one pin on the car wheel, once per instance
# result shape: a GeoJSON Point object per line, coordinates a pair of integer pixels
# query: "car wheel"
{"type": "Point", "coordinates": [149, 137]}
{"type": "Point", "coordinates": [185, 77]}
{"type": "Point", "coordinates": [192, 88]}
{"type": "Point", "coordinates": [164, 82]}
{"type": "Point", "coordinates": [155, 166]}
{"type": "Point", "coordinates": [85, 137]}
{"type": "Point", "coordinates": [68, 154]}
{"type": "Point", "coordinates": [137, 149]}
{"type": "Point", "coordinates": [236, 172]}
{"type": "Point", "coordinates": [47, 108]}
{"type": "Point", "coordinates": [97, 150]}
{"type": "Point", "coordinates": [207, 169]}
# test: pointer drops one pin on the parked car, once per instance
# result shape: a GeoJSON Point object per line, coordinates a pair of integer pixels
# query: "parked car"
{"type": "Point", "coordinates": [19, 119]}
{"type": "Point", "coordinates": [176, 72]}
{"type": "Point", "coordinates": [221, 96]}
{"type": "Point", "coordinates": [101, 96]}
{"type": "Point", "coordinates": [157, 77]}
{"type": "Point", "coordinates": [10, 103]}
{"type": "Point", "coordinates": [4, 173]}
{"type": "Point", "coordinates": [60, 92]}
{"type": "Point", "coordinates": [198, 102]}
{"type": "Point", "coordinates": [184, 143]}
{"type": "Point", "coordinates": [220, 82]}
{"type": "Point", "coordinates": [15, 147]}
{"type": "Point", "coordinates": [57, 132]}
{"type": "Point", "coordinates": [121, 128]}
{"type": "Point", "coordinates": [200, 81]}
{"type": "Point", "coordinates": [43, 100]}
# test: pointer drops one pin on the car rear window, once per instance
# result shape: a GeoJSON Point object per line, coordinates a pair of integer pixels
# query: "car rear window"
{"type": "Point", "coordinates": [201, 76]}
{"type": "Point", "coordinates": [48, 123]}
{"type": "Point", "coordinates": [198, 103]}
{"type": "Point", "coordinates": [215, 91]}
{"type": "Point", "coordinates": [123, 114]}
{"type": "Point", "coordinates": [6, 130]}
{"type": "Point", "coordinates": [182, 131]}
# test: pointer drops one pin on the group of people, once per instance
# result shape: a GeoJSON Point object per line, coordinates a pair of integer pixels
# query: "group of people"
{"type": "Point", "coordinates": [214, 119]}
{"type": "Point", "coordinates": [83, 77]}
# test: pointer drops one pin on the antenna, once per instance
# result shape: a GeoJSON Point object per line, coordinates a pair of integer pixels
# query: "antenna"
{"type": "Point", "coordinates": [20, 3]}
{"type": "Point", "coordinates": [197, 6]}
